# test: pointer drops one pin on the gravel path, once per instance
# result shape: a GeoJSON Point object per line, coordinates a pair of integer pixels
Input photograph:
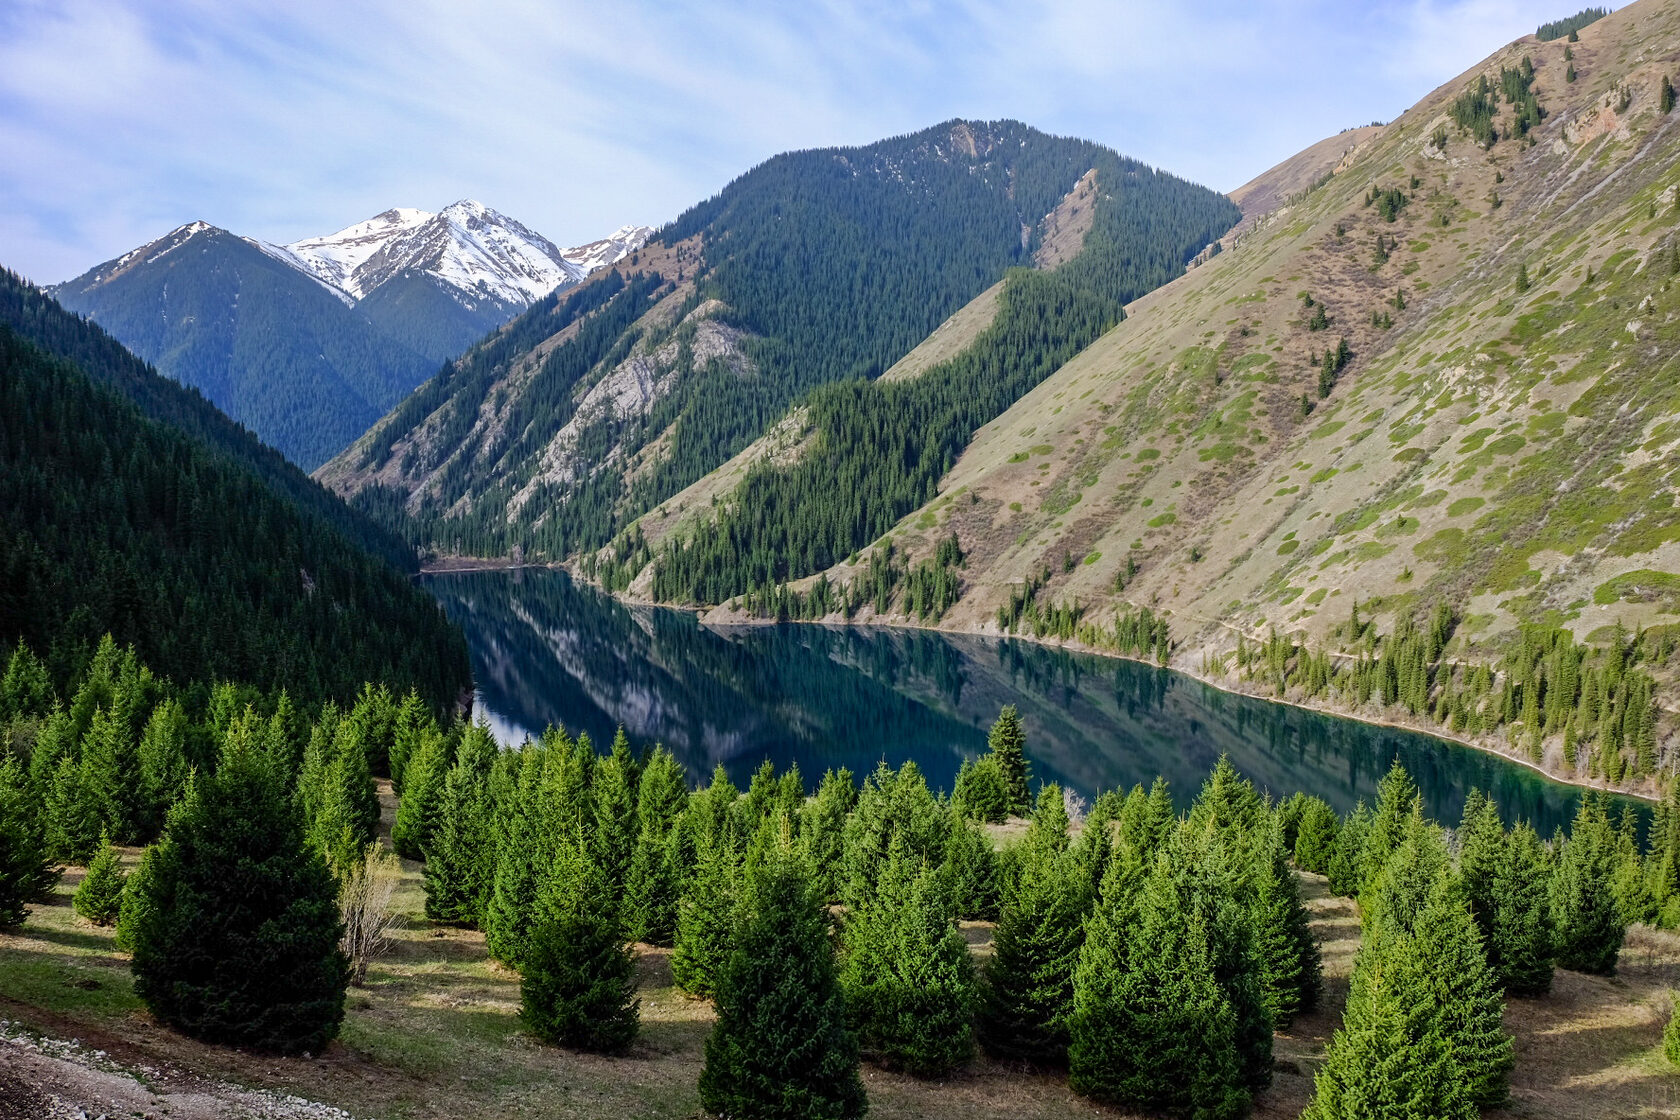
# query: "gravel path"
{"type": "Point", "coordinates": [53, 1079]}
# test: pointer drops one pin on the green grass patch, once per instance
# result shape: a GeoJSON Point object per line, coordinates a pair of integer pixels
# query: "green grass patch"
{"type": "Point", "coordinates": [1464, 506]}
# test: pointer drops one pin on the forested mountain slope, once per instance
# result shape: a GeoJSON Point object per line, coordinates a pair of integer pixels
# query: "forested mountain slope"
{"type": "Point", "coordinates": [816, 268]}
{"type": "Point", "coordinates": [310, 343]}
{"type": "Point", "coordinates": [128, 507]}
{"type": "Point", "coordinates": [268, 344]}
{"type": "Point", "coordinates": [1446, 378]}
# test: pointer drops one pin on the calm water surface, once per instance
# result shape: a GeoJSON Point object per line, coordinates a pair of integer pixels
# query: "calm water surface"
{"type": "Point", "coordinates": [546, 650]}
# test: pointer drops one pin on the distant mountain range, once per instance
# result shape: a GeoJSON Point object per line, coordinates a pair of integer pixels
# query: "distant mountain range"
{"type": "Point", "coordinates": [309, 343]}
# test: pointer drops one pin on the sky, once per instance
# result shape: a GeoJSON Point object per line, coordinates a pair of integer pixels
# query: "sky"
{"type": "Point", "coordinates": [121, 120]}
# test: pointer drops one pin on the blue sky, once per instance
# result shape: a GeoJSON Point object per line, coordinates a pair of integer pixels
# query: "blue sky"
{"type": "Point", "coordinates": [119, 121]}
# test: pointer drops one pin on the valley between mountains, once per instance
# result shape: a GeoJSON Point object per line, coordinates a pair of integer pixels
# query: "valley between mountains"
{"type": "Point", "coordinates": [1429, 367]}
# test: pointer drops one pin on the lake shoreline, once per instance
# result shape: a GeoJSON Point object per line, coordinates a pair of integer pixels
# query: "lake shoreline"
{"type": "Point", "coordinates": [1225, 685]}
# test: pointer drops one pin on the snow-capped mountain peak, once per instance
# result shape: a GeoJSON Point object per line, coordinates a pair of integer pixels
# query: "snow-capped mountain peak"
{"type": "Point", "coordinates": [476, 253]}
{"type": "Point", "coordinates": [618, 244]}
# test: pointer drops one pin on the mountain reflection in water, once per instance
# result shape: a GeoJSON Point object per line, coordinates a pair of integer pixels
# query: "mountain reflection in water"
{"type": "Point", "coordinates": [546, 650]}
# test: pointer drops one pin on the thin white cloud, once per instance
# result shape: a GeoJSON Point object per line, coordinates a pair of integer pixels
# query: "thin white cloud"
{"type": "Point", "coordinates": [120, 119]}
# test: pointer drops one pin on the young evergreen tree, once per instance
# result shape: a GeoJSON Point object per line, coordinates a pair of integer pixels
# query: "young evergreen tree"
{"type": "Point", "coordinates": [425, 770]}
{"type": "Point", "coordinates": [1289, 958]}
{"type": "Point", "coordinates": [111, 769]}
{"type": "Point", "coordinates": [73, 816]}
{"type": "Point", "coordinates": [1397, 795]}
{"type": "Point", "coordinates": [971, 864]}
{"type": "Point", "coordinates": [907, 975]}
{"type": "Point", "coordinates": [1007, 743]}
{"type": "Point", "coordinates": [893, 805]}
{"type": "Point", "coordinates": [612, 789]}
{"type": "Point", "coordinates": [1152, 1029]}
{"type": "Point", "coordinates": [1384, 1062]}
{"type": "Point", "coordinates": [1315, 836]}
{"type": "Point", "coordinates": [980, 792]}
{"type": "Point", "coordinates": [236, 932]}
{"type": "Point", "coordinates": [579, 981]}
{"type": "Point", "coordinates": [163, 764]}
{"type": "Point", "coordinates": [25, 871]}
{"type": "Point", "coordinates": [407, 732]}
{"type": "Point", "coordinates": [781, 1046]}
{"type": "Point", "coordinates": [706, 915]}
{"type": "Point", "coordinates": [1026, 997]}
{"type": "Point", "coordinates": [1588, 925]}
{"type": "Point", "coordinates": [460, 860]}
{"type": "Point", "coordinates": [524, 857]}
{"type": "Point", "coordinates": [1344, 869]}
{"type": "Point", "coordinates": [822, 830]}
{"type": "Point", "coordinates": [655, 883]}
{"type": "Point", "coordinates": [99, 896]}
{"type": "Point", "coordinates": [1671, 1032]}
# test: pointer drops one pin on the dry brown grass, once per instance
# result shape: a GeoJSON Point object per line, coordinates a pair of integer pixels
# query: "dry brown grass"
{"type": "Point", "coordinates": [436, 1034]}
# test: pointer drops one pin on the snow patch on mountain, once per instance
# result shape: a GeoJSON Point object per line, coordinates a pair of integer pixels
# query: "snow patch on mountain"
{"type": "Point", "coordinates": [611, 249]}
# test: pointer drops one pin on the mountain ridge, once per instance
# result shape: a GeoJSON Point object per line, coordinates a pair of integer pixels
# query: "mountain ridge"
{"type": "Point", "coordinates": [309, 343]}
{"type": "Point", "coordinates": [611, 401]}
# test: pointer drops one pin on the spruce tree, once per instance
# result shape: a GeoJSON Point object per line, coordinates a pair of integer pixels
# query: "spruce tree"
{"type": "Point", "coordinates": [1588, 925]}
{"type": "Point", "coordinates": [1385, 1062]}
{"type": "Point", "coordinates": [1505, 878]}
{"type": "Point", "coordinates": [822, 830]}
{"type": "Point", "coordinates": [1289, 957]}
{"type": "Point", "coordinates": [1397, 795]}
{"type": "Point", "coordinates": [99, 896]}
{"type": "Point", "coordinates": [524, 855]}
{"type": "Point", "coordinates": [73, 818]}
{"type": "Point", "coordinates": [781, 1047]}
{"type": "Point", "coordinates": [163, 764]}
{"type": "Point", "coordinates": [236, 930]}
{"type": "Point", "coordinates": [1151, 1028]}
{"type": "Point", "coordinates": [706, 915]}
{"type": "Point", "coordinates": [980, 792]}
{"type": "Point", "coordinates": [460, 859]}
{"type": "Point", "coordinates": [612, 789]}
{"type": "Point", "coordinates": [908, 976]}
{"type": "Point", "coordinates": [25, 871]}
{"type": "Point", "coordinates": [1315, 836]}
{"type": "Point", "coordinates": [579, 982]}
{"type": "Point", "coordinates": [1007, 743]}
{"type": "Point", "coordinates": [1026, 998]}
{"type": "Point", "coordinates": [408, 731]}
{"type": "Point", "coordinates": [111, 769]}
{"type": "Point", "coordinates": [655, 883]}
{"type": "Point", "coordinates": [1344, 869]}
{"type": "Point", "coordinates": [893, 805]}
{"type": "Point", "coordinates": [425, 770]}
{"type": "Point", "coordinates": [972, 866]}
{"type": "Point", "coordinates": [1671, 1032]}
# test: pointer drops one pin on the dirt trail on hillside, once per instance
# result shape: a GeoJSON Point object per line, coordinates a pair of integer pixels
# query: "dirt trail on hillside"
{"type": "Point", "coordinates": [55, 1079]}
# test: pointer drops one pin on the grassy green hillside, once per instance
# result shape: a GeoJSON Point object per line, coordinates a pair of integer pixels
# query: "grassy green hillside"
{"type": "Point", "coordinates": [1498, 435]}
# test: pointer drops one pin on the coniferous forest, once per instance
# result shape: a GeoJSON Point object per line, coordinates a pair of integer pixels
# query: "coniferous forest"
{"type": "Point", "coordinates": [1144, 952]}
{"type": "Point", "coordinates": [132, 508]}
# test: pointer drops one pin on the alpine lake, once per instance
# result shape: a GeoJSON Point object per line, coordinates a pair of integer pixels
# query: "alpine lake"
{"type": "Point", "coordinates": [547, 650]}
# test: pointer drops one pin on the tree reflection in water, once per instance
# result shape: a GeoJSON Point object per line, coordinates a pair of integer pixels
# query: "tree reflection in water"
{"type": "Point", "coordinates": [547, 650]}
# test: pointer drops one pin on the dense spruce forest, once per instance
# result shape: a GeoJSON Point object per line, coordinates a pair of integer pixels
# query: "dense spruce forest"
{"type": "Point", "coordinates": [1149, 953]}
{"type": "Point", "coordinates": [882, 447]}
{"type": "Point", "coordinates": [1562, 28]}
{"type": "Point", "coordinates": [133, 509]}
{"type": "Point", "coordinates": [831, 264]}
{"type": "Point", "coordinates": [265, 342]}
